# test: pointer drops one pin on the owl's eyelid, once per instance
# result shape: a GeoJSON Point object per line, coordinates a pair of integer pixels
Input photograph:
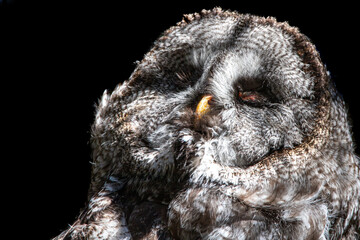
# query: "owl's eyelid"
{"type": "Point", "coordinates": [249, 95]}
{"type": "Point", "coordinates": [255, 97]}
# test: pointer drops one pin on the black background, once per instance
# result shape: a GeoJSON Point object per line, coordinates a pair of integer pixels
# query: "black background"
{"type": "Point", "coordinates": [59, 56]}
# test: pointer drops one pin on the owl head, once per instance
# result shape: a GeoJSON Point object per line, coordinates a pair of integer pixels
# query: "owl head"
{"type": "Point", "coordinates": [235, 88]}
{"type": "Point", "coordinates": [229, 127]}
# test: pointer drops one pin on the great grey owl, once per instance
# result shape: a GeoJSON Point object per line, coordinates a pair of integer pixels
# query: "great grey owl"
{"type": "Point", "coordinates": [229, 128]}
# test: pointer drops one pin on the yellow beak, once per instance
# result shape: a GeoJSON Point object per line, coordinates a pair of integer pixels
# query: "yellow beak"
{"type": "Point", "coordinates": [203, 107]}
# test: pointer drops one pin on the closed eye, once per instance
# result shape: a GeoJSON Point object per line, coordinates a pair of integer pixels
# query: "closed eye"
{"type": "Point", "coordinates": [254, 92]}
{"type": "Point", "coordinates": [249, 96]}
{"type": "Point", "coordinates": [253, 97]}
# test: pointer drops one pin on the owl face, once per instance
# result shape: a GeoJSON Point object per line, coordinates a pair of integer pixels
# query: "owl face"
{"type": "Point", "coordinates": [252, 111]}
{"type": "Point", "coordinates": [258, 96]}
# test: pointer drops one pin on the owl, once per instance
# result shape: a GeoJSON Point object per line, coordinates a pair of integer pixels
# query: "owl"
{"type": "Point", "coordinates": [229, 128]}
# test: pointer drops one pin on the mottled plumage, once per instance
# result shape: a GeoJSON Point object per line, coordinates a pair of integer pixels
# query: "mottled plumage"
{"type": "Point", "coordinates": [272, 158]}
